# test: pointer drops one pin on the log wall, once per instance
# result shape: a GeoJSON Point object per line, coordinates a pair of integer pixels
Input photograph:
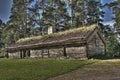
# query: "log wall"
{"type": "Point", "coordinates": [71, 52]}
{"type": "Point", "coordinates": [96, 46]}
{"type": "Point", "coordinates": [76, 52]}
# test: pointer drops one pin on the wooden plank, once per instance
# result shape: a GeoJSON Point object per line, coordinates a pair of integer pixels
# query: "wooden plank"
{"type": "Point", "coordinates": [87, 51]}
{"type": "Point", "coordinates": [91, 36]}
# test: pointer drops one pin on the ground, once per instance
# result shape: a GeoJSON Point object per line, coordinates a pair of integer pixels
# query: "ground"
{"type": "Point", "coordinates": [101, 70]}
{"type": "Point", "coordinates": [57, 69]}
{"type": "Point", "coordinates": [38, 69]}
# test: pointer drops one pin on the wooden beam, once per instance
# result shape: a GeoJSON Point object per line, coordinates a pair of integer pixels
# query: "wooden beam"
{"type": "Point", "coordinates": [24, 53]}
{"type": "Point", "coordinates": [7, 54]}
{"type": "Point", "coordinates": [64, 49]}
{"type": "Point", "coordinates": [21, 54]}
{"type": "Point", "coordinates": [87, 50]}
{"type": "Point", "coordinates": [105, 50]}
{"type": "Point", "coordinates": [48, 54]}
{"type": "Point", "coordinates": [28, 54]}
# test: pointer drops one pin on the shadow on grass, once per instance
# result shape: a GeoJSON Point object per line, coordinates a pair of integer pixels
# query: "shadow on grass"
{"type": "Point", "coordinates": [103, 57]}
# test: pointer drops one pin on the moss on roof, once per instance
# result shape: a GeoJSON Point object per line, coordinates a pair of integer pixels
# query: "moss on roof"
{"type": "Point", "coordinates": [85, 28]}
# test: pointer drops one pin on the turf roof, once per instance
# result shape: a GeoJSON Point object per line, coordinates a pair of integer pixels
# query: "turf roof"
{"type": "Point", "coordinates": [80, 29]}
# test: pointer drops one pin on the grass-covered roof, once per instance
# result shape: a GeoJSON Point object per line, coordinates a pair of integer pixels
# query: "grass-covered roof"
{"type": "Point", "coordinates": [74, 30]}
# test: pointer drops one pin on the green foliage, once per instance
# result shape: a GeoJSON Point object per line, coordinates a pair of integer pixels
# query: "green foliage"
{"type": "Point", "coordinates": [37, 69]}
{"type": "Point", "coordinates": [112, 44]}
{"type": "Point", "coordinates": [1, 33]}
{"type": "Point", "coordinates": [2, 53]}
{"type": "Point", "coordinates": [94, 13]}
{"type": "Point", "coordinates": [116, 10]}
{"type": "Point", "coordinates": [55, 14]}
{"type": "Point", "coordinates": [77, 12]}
{"type": "Point", "coordinates": [85, 12]}
{"type": "Point", "coordinates": [18, 25]}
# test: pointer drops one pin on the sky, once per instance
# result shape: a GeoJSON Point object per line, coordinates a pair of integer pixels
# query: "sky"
{"type": "Point", "coordinates": [5, 6]}
{"type": "Point", "coordinates": [108, 17]}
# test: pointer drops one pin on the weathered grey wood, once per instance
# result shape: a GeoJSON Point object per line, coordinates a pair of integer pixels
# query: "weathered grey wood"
{"type": "Point", "coordinates": [87, 51]}
{"type": "Point", "coordinates": [42, 53]}
{"type": "Point", "coordinates": [50, 29]}
{"type": "Point", "coordinates": [91, 36]}
{"type": "Point", "coordinates": [48, 54]}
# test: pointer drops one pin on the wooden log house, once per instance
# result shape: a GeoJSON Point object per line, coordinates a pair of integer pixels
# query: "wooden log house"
{"type": "Point", "coordinates": [83, 42]}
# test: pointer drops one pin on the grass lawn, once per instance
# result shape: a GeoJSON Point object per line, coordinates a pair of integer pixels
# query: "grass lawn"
{"type": "Point", "coordinates": [100, 70]}
{"type": "Point", "coordinates": [37, 69]}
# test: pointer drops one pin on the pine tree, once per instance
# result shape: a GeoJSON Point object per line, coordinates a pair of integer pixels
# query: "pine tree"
{"type": "Point", "coordinates": [1, 27]}
{"type": "Point", "coordinates": [80, 12]}
{"type": "Point", "coordinates": [35, 14]}
{"type": "Point", "coordinates": [85, 12]}
{"type": "Point", "coordinates": [17, 27]}
{"type": "Point", "coordinates": [116, 10]}
{"type": "Point", "coordinates": [55, 14]}
{"type": "Point", "coordinates": [94, 12]}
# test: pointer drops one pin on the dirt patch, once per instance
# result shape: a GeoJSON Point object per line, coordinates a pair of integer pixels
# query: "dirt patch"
{"type": "Point", "coordinates": [102, 70]}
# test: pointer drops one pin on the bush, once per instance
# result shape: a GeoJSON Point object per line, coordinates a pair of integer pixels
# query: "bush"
{"type": "Point", "coordinates": [2, 53]}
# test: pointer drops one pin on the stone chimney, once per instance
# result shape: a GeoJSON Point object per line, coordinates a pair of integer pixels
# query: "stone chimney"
{"type": "Point", "coordinates": [50, 29]}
